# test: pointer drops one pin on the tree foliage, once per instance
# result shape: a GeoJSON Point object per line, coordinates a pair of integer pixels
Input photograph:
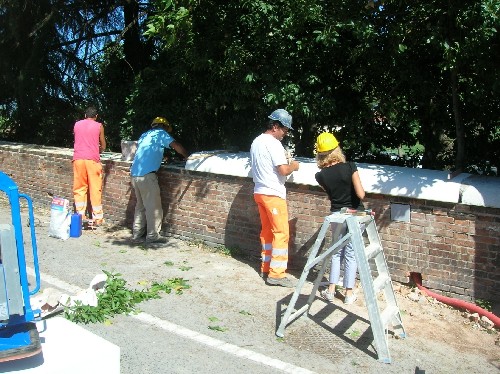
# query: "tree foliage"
{"type": "Point", "coordinates": [416, 77]}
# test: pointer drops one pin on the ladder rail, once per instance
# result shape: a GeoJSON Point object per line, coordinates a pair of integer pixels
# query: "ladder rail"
{"type": "Point", "coordinates": [388, 289]}
{"type": "Point", "coordinates": [368, 289]}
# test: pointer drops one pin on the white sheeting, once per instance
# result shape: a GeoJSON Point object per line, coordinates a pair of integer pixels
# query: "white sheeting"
{"type": "Point", "coordinates": [381, 179]}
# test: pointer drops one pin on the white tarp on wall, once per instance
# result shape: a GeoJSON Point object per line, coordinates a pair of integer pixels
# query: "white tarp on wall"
{"type": "Point", "coordinates": [381, 179]}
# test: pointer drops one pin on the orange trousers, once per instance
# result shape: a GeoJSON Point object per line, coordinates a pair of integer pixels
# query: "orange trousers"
{"type": "Point", "coordinates": [87, 180]}
{"type": "Point", "coordinates": [274, 234]}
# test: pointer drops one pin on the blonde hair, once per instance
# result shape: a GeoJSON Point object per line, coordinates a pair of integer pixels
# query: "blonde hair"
{"type": "Point", "coordinates": [324, 159]}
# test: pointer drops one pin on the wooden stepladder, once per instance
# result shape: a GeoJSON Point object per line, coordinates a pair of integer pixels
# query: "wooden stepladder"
{"type": "Point", "coordinates": [381, 316]}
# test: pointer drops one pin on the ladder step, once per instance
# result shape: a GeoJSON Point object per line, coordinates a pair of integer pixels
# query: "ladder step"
{"type": "Point", "coordinates": [380, 282]}
{"type": "Point", "coordinates": [372, 250]}
{"type": "Point", "coordinates": [388, 314]}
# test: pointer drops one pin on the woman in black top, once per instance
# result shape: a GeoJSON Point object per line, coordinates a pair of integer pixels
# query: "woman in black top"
{"type": "Point", "coordinates": [340, 180]}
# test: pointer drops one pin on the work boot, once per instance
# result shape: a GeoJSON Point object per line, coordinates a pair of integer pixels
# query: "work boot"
{"type": "Point", "coordinates": [283, 282]}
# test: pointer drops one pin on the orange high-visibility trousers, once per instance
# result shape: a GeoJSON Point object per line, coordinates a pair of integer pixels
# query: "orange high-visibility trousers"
{"type": "Point", "coordinates": [274, 234]}
{"type": "Point", "coordinates": [87, 178]}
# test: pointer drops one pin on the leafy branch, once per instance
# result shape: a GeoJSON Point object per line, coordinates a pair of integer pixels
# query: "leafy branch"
{"type": "Point", "coordinates": [116, 298]}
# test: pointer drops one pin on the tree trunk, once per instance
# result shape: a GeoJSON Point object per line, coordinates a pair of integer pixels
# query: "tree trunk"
{"type": "Point", "coordinates": [134, 50]}
{"type": "Point", "coordinates": [27, 54]}
{"type": "Point", "coordinates": [430, 134]}
{"type": "Point", "coordinates": [459, 126]}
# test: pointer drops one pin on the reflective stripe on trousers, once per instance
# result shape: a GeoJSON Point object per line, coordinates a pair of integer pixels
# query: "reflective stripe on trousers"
{"type": "Point", "coordinates": [87, 178]}
{"type": "Point", "coordinates": [274, 234]}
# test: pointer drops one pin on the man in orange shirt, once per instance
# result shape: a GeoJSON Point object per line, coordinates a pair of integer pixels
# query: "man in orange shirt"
{"type": "Point", "coordinates": [87, 167]}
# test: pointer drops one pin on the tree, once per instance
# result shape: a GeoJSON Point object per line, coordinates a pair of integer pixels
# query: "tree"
{"type": "Point", "coordinates": [381, 74]}
{"type": "Point", "coordinates": [54, 47]}
{"type": "Point", "coordinates": [438, 54]}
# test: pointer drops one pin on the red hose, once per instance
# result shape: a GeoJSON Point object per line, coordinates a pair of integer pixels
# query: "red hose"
{"type": "Point", "coordinates": [460, 304]}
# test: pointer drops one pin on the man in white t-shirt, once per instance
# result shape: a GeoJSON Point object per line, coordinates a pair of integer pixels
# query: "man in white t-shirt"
{"type": "Point", "coordinates": [270, 168]}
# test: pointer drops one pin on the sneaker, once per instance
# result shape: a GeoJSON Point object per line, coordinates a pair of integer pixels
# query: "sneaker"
{"type": "Point", "coordinates": [263, 275]}
{"type": "Point", "coordinates": [283, 282]}
{"type": "Point", "coordinates": [350, 299]}
{"type": "Point", "coordinates": [327, 295]}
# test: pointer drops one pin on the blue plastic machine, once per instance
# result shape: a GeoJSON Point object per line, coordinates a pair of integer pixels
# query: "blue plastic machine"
{"type": "Point", "coordinates": [18, 334]}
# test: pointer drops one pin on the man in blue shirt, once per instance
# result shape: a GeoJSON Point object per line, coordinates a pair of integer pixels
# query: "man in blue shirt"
{"type": "Point", "coordinates": [148, 215]}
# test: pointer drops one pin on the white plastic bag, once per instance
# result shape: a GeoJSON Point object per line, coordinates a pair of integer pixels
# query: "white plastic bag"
{"type": "Point", "coordinates": [60, 218]}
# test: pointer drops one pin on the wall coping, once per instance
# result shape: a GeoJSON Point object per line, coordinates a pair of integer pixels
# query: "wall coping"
{"type": "Point", "coordinates": [413, 183]}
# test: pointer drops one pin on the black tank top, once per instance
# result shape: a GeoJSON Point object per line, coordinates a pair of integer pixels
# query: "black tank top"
{"type": "Point", "coordinates": [337, 182]}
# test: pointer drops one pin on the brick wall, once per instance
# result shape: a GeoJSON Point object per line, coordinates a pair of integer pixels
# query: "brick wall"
{"type": "Point", "coordinates": [455, 247]}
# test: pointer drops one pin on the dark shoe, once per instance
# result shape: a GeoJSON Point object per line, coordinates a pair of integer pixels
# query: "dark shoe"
{"type": "Point", "coordinates": [283, 282]}
{"type": "Point", "coordinates": [135, 240]}
{"type": "Point", "coordinates": [158, 240]}
{"type": "Point", "coordinates": [88, 224]}
{"type": "Point", "coordinates": [263, 275]}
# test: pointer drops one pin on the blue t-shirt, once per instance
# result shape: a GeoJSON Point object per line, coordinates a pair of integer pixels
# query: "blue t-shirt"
{"type": "Point", "coordinates": [149, 154]}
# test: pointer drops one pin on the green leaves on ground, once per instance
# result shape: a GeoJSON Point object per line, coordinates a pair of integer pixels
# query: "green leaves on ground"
{"type": "Point", "coordinates": [354, 333]}
{"type": "Point", "coordinates": [216, 327]}
{"type": "Point", "coordinates": [116, 298]}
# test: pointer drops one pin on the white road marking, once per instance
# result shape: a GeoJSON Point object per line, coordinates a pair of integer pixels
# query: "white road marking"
{"type": "Point", "coordinates": [189, 334]}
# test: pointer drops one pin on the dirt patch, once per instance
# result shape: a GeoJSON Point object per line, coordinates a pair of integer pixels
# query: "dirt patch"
{"type": "Point", "coordinates": [442, 323]}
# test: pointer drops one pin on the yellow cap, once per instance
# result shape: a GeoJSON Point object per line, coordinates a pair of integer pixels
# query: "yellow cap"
{"type": "Point", "coordinates": [326, 142]}
{"type": "Point", "coordinates": [163, 121]}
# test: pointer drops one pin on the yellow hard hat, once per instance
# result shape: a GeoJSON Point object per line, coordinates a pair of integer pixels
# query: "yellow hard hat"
{"type": "Point", "coordinates": [326, 142]}
{"type": "Point", "coordinates": [162, 121]}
